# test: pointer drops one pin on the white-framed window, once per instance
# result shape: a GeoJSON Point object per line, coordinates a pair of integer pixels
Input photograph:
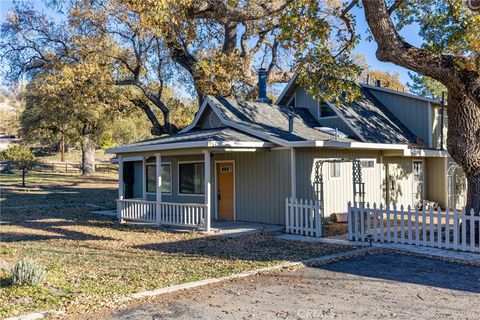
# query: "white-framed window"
{"type": "Point", "coordinates": [368, 164]}
{"type": "Point", "coordinates": [166, 173]}
{"type": "Point", "coordinates": [191, 178]}
{"type": "Point", "coordinates": [335, 171]}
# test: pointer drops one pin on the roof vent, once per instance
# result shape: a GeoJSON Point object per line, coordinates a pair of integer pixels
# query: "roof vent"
{"type": "Point", "coordinates": [334, 132]}
{"type": "Point", "coordinates": [290, 120]}
{"type": "Point", "coordinates": [262, 86]}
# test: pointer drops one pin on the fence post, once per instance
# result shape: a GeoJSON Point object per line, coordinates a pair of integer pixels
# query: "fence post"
{"type": "Point", "coordinates": [455, 229]}
{"type": "Point", "coordinates": [287, 228]}
{"type": "Point", "coordinates": [472, 230]}
{"type": "Point", "coordinates": [318, 219]}
{"type": "Point", "coordinates": [349, 221]}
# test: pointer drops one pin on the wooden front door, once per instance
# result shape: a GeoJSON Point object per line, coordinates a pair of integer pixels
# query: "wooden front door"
{"type": "Point", "coordinates": [225, 190]}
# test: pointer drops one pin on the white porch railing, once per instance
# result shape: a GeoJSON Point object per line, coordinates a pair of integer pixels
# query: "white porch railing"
{"type": "Point", "coordinates": [162, 213]}
{"type": "Point", "coordinates": [303, 217]}
{"type": "Point", "coordinates": [448, 229]}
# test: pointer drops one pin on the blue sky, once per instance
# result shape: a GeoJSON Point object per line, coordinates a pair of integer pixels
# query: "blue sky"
{"type": "Point", "coordinates": [366, 48]}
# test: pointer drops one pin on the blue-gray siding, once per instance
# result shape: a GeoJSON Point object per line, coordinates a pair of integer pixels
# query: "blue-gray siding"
{"type": "Point", "coordinates": [262, 182]}
{"type": "Point", "coordinates": [413, 113]}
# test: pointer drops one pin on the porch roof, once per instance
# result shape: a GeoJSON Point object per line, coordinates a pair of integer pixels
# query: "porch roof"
{"type": "Point", "coordinates": [217, 137]}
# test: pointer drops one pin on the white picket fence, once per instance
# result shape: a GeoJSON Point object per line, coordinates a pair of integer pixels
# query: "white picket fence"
{"type": "Point", "coordinates": [303, 217]}
{"type": "Point", "coordinates": [162, 213]}
{"type": "Point", "coordinates": [448, 229]}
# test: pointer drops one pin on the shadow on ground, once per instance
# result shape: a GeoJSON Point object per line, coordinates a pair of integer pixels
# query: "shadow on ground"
{"type": "Point", "coordinates": [412, 269]}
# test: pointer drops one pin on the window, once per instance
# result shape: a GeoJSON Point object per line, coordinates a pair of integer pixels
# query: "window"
{"type": "Point", "coordinates": [335, 170]}
{"type": "Point", "coordinates": [368, 164]}
{"type": "Point", "coordinates": [326, 111]}
{"type": "Point", "coordinates": [418, 171]}
{"type": "Point", "coordinates": [191, 178]}
{"type": "Point", "coordinates": [166, 178]}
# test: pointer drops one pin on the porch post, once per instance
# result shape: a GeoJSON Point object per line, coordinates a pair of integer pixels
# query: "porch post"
{"type": "Point", "coordinates": [207, 190]}
{"type": "Point", "coordinates": [120, 188]}
{"type": "Point", "coordinates": [158, 187]}
{"type": "Point", "coordinates": [293, 173]}
{"type": "Point", "coordinates": [144, 177]}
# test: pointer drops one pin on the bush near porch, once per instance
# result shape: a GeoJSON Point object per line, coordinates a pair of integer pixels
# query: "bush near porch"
{"type": "Point", "coordinates": [91, 260]}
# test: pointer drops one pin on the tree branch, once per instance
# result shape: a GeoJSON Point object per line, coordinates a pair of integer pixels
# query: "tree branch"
{"type": "Point", "coordinates": [392, 48]}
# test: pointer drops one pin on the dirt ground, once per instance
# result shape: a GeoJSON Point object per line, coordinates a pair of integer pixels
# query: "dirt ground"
{"type": "Point", "coordinates": [375, 286]}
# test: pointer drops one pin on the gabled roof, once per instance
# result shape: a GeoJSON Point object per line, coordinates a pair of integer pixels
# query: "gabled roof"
{"type": "Point", "coordinates": [373, 122]}
{"type": "Point", "coordinates": [367, 117]}
{"type": "Point", "coordinates": [270, 120]}
{"type": "Point", "coordinates": [217, 137]}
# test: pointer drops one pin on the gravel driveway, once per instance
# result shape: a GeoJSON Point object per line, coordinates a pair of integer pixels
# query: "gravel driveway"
{"type": "Point", "coordinates": [375, 286]}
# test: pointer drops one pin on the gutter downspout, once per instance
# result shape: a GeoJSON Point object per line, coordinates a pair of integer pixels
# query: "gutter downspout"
{"type": "Point", "coordinates": [442, 120]}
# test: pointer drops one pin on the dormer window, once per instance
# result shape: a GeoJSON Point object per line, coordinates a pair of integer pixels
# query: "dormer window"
{"type": "Point", "coordinates": [326, 110]}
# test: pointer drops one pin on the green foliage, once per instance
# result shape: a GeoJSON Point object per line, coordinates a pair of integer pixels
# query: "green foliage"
{"type": "Point", "coordinates": [20, 155]}
{"type": "Point", "coordinates": [446, 26]}
{"type": "Point", "coordinates": [426, 86]}
{"type": "Point", "coordinates": [27, 272]}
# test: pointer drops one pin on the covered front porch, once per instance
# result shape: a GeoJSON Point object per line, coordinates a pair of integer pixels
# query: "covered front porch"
{"type": "Point", "coordinates": [183, 183]}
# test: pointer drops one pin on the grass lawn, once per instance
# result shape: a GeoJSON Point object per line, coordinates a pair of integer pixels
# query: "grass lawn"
{"type": "Point", "coordinates": [92, 260]}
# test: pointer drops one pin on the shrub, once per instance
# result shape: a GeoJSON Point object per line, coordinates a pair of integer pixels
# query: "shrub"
{"type": "Point", "coordinates": [27, 272]}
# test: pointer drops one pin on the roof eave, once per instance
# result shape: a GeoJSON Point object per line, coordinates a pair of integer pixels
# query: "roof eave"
{"type": "Point", "coordinates": [188, 145]}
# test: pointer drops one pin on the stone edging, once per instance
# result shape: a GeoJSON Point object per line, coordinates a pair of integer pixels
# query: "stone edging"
{"type": "Point", "coordinates": [200, 283]}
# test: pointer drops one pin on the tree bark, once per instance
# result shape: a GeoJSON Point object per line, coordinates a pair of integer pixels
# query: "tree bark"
{"type": "Point", "coordinates": [62, 149]}
{"type": "Point", "coordinates": [463, 88]}
{"type": "Point", "coordinates": [24, 172]}
{"type": "Point", "coordinates": [464, 142]}
{"type": "Point", "coordinates": [88, 152]}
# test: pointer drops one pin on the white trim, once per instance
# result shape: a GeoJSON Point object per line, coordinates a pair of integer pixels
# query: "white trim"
{"type": "Point", "coordinates": [188, 145]}
{"type": "Point", "coordinates": [171, 178]}
{"type": "Point", "coordinates": [121, 186]}
{"type": "Point", "coordinates": [354, 130]}
{"type": "Point", "coordinates": [234, 188]}
{"type": "Point", "coordinates": [330, 170]}
{"type": "Point", "coordinates": [126, 159]}
{"type": "Point", "coordinates": [178, 179]}
{"type": "Point", "coordinates": [208, 189]}
{"type": "Point", "coordinates": [144, 177]}
{"type": "Point", "coordinates": [158, 180]}
{"type": "Point", "coordinates": [253, 132]}
{"type": "Point", "coordinates": [423, 178]}
{"type": "Point", "coordinates": [425, 153]}
{"type": "Point", "coordinates": [368, 168]}
{"type": "Point", "coordinates": [293, 173]}
{"type": "Point", "coordinates": [404, 94]}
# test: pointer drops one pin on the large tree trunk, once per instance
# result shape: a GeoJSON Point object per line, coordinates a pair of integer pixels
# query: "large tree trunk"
{"type": "Point", "coordinates": [464, 95]}
{"type": "Point", "coordinates": [88, 152]}
{"type": "Point", "coordinates": [464, 141]}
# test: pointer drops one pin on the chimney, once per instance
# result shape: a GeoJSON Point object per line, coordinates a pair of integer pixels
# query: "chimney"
{"type": "Point", "coordinates": [262, 86]}
{"type": "Point", "coordinates": [379, 83]}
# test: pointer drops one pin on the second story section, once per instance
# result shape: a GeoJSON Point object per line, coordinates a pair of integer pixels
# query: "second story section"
{"type": "Point", "coordinates": [379, 113]}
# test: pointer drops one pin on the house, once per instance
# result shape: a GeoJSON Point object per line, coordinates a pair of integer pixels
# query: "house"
{"type": "Point", "coordinates": [240, 160]}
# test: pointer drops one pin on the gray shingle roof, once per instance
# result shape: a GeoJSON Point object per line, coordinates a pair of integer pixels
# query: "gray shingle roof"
{"type": "Point", "coordinates": [271, 120]}
{"type": "Point", "coordinates": [196, 135]}
{"type": "Point", "coordinates": [374, 122]}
